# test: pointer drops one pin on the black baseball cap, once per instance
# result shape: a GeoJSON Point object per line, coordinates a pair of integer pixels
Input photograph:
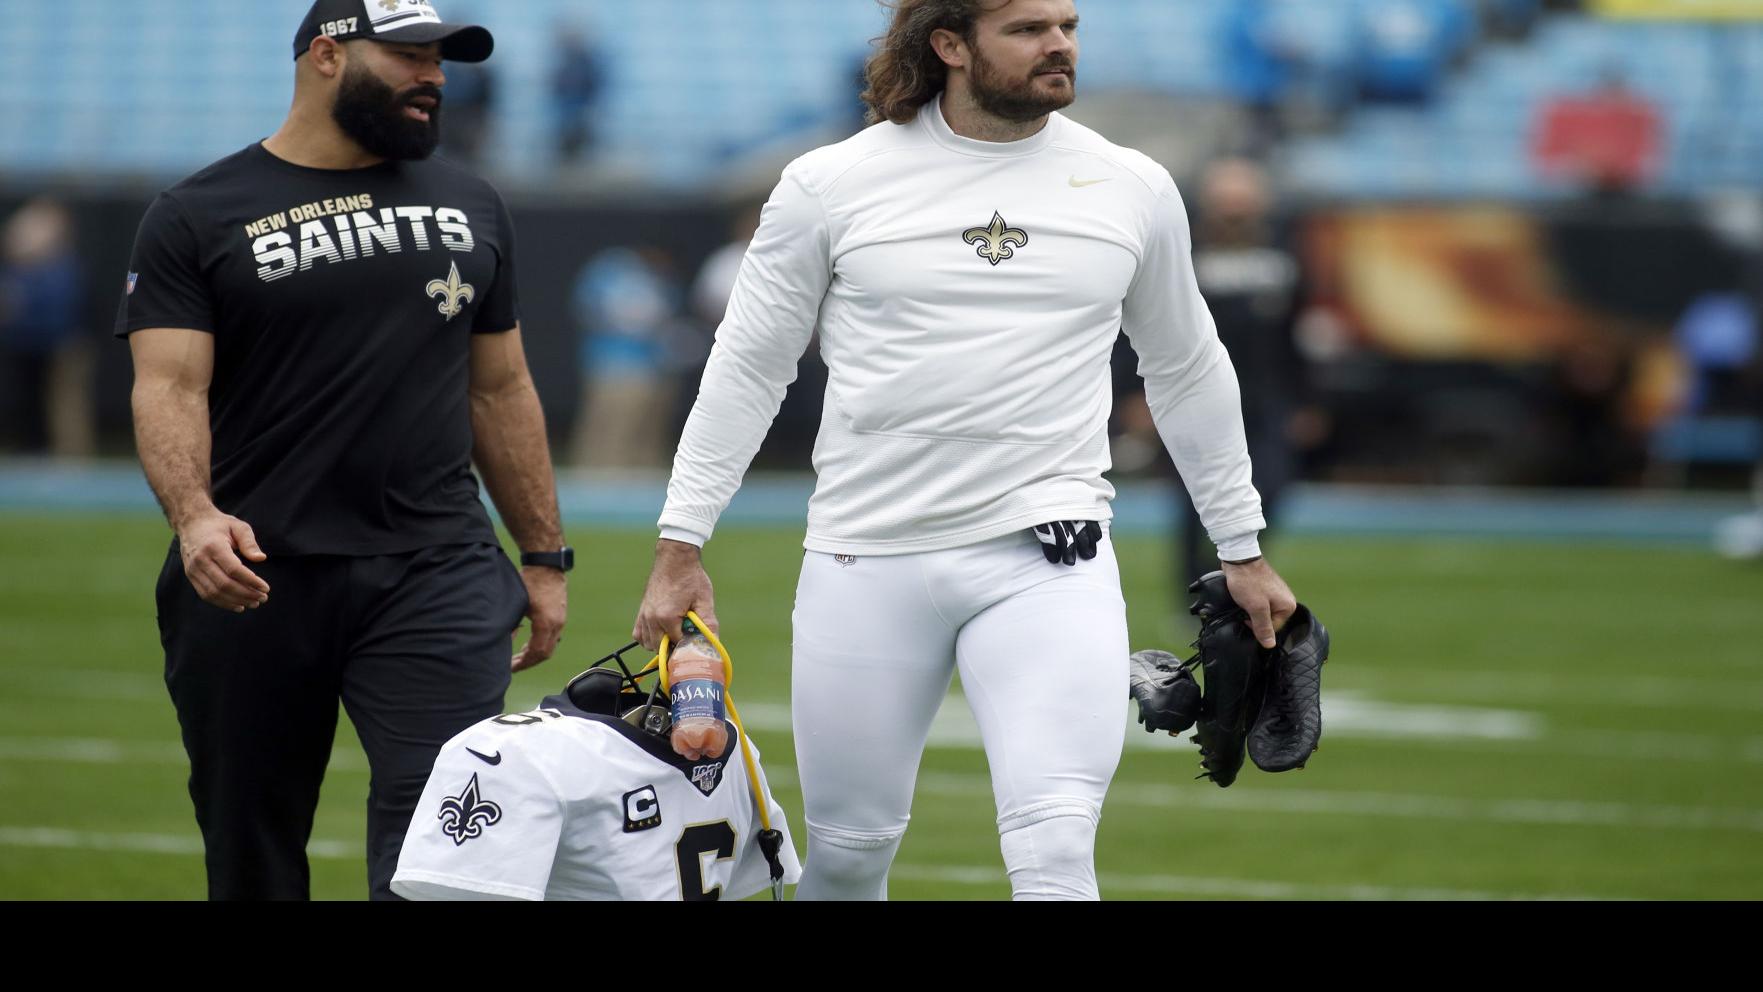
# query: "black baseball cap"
{"type": "Point", "coordinates": [409, 22]}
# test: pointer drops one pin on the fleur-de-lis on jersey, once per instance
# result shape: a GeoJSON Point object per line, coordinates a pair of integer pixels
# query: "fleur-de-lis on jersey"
{"type": "Point", "coordinates": [389, 5]}
{"type": "Point", "coordinates": [464, 817]}
{"type": "Point", "coordinates": [452, 293]}
{"type": "Point", "coordinates": [994, 242]}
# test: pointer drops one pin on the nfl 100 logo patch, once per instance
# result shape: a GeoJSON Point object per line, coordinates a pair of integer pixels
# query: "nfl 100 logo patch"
{"type": "Point", "coordinates": [707, 777]}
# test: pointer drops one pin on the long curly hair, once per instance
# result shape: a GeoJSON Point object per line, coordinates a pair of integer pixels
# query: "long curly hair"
{"type": "Point", "coordinates": [905, 73]}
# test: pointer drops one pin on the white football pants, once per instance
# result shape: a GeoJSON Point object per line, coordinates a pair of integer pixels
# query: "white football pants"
{"type": "Point", "coordinates": [1042, 651]}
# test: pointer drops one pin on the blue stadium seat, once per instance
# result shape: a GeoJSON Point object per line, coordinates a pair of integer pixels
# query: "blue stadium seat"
{"type": "Point", "coordinates": [1699, 76]}
{"type": "Point", "coordinates": [691, 82]}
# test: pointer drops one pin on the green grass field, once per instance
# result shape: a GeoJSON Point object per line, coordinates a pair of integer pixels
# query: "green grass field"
{"type": "Point", "coordinates": [1504, 720]}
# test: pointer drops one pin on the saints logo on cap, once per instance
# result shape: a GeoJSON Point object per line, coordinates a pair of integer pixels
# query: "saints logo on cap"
{"type": "Point", "coordinates": [389, 15]}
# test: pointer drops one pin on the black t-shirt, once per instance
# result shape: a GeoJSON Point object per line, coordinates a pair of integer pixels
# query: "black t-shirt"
{"type": "Point", "coordinates": [1255, 295]}
{"type": "Point", "coordinates": [342, 305]}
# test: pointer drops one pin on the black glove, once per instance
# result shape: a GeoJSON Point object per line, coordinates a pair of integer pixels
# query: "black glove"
{"type": "Point", "coordinates": [1065, 541]}
{"type": "Point", "coordinates": [1164, 688]}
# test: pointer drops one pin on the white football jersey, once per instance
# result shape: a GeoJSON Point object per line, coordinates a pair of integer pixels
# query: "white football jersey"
{"type": "Point", "coordinates": [562, 804]}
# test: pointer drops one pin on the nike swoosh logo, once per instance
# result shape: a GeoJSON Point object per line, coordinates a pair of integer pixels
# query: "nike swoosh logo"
{"type": "Point", "coordinates": [486, 759]}
{"type": "Point", "coordinates": [1077, 183]}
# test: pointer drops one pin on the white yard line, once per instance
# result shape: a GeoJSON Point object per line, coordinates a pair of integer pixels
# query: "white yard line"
{"type": "Point", "coordinates": [181, 844]}
{"type": "Point", "coordinates": [1639, 691]}
{"type": "Point", "coordinates": [1436, 685]}
{"type": "Point", "coordinates": [1530, 812]}
{"type": "Point", "coordinates": [1126, 792]}
{"type": "Point", "coordinates": [130, 686]}
{"type": "Point", "coordinates": [190, 845]}
{"type": "Point", "coordinates": [1347, 716]}
{"type": "Point", "coordinates": [98, 751]}
{"type": "Point", "coordinates": [89, 751]}
{"type": "Point", "coordinates": [1343, 715]}
{"type": "Point", "coordinates": [1229, 888]}
{"type": "Point", "coordinates": [1537, 812]}
{"type": "Point", "coordinates": [1352, 716]}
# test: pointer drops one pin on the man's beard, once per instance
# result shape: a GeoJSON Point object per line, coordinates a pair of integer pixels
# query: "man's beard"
{"type": "Point", "coordinates": [1016, 101]}
{"type": "Point", "coordinates": [373, 115]}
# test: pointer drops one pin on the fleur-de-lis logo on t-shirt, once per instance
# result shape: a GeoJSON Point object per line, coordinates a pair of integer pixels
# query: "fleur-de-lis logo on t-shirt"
{"type": "Point", "coordinates": [994, 242]}
{"type": "Point", "coordinates": [452, 293]}
{"type": "Point", "coordinates": [464, 817]}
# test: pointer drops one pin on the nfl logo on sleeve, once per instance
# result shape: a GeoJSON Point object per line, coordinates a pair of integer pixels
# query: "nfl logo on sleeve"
{"type": "Point", "coordinates": [642, 810]}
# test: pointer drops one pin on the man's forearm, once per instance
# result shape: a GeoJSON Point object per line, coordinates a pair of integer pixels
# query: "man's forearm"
{"type": "Point", "coordinates": [1200, 419]}
{"type": "Point", "coordinates": [173, 440]}
{"type": "Point", "coordinates": [514, 458]}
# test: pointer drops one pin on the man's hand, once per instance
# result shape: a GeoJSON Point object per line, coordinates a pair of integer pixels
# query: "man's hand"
{"type": "Point", "coordinates": [1260, 591]}
{"type": "Point", "coordinates": [677, 585]}
{"type": "Point", "coordinates": [212, 545]}
{"type": "Point", "coordinates": [547, 594]}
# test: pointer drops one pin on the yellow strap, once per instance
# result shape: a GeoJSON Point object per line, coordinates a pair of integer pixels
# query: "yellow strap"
{"type": "Point", "coordinates": [728, 677]}
{"type": "Point", "coordinates": [752, 767]}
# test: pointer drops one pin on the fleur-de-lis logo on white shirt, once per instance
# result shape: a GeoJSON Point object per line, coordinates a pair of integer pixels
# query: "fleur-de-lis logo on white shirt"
{"type": "Point", "coordinates": [994, 242]}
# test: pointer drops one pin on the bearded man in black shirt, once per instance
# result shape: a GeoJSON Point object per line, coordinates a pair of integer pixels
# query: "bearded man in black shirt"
{"type": "Point", "coordinates": [326, 334]}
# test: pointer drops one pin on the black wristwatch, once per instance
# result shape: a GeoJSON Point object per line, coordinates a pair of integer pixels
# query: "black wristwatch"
{"type": "Point", "coordinates": [562, 561]}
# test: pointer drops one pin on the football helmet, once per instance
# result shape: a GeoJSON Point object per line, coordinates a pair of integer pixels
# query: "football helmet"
{"type": "Point", "coordinates": [610, 687]}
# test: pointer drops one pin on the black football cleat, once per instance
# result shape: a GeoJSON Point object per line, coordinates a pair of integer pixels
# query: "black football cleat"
{"type": "Point", "coordinates": [1234, 667]}
{"type": "Point", "coordinates": [1290, 726]}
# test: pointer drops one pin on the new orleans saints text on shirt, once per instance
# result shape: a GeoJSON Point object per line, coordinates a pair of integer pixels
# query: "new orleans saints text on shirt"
{"type": "Point", "coordinates": [296, 240]}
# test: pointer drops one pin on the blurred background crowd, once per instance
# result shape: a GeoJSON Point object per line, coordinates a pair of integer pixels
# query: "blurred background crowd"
{"type": "Point", "coordinates": [1500, 242]}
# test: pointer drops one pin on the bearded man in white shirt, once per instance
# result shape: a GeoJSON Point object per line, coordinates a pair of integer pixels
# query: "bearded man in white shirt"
{"type": "Point", "coordinates": [968, 262]}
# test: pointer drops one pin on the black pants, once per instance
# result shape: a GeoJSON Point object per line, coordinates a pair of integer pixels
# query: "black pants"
{"type": "Point", "coordinates": [25, 399]}
{"type": "Point", "coordinates": [417, 647]}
